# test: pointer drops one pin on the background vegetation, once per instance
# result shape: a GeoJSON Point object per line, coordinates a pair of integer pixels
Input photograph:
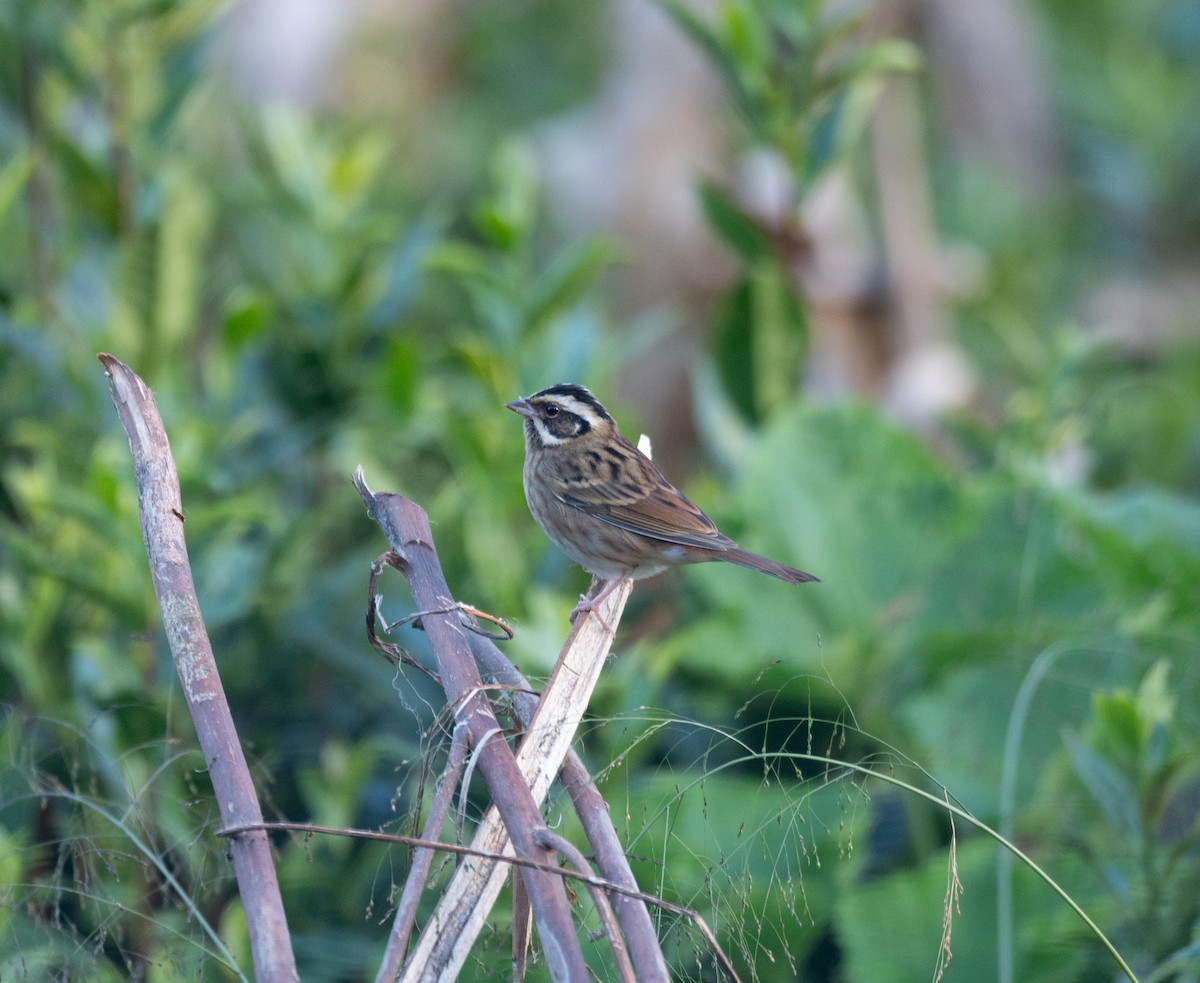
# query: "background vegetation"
{"type": "Point", "coordinates": [310, 288]}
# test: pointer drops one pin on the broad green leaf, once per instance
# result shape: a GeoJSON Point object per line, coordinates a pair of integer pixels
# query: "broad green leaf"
{"type": "Point", "coordinates": [892, 928]}
{"type": "Point", "coordinates": [463, 261]}
{"type": "Point", "coordinates": [733, 347]}
{"type": "Point", "coordinates": [742, 233]}
{"type": "Point", "coordinates": [507, 217]}
{"type": "Point", "coordinates": [13, 176]}
{"type": "Point", "coordinates": [1112, 791]}
{"type": "Point", "coordinates": [722, 57]}
{"type": "Point", "coordinates": [564, 282]}
{"type": "Point", "coordinates": [185, 229]}
{"type": "Point", "coordinates": [1155, 701]}
{"type": "Point", "coordinates": [1117, 728]}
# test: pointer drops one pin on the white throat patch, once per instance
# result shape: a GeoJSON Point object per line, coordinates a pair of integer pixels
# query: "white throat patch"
{"type": "Point", "coordinates": [547, 438]}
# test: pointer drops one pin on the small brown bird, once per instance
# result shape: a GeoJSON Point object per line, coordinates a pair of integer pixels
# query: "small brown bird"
{"type": "Point", "coordinates": [605, 505]}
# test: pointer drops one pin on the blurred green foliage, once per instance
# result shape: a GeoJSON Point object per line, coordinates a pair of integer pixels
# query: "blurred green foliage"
{"type": "Point", "coordinates": [306, 291]}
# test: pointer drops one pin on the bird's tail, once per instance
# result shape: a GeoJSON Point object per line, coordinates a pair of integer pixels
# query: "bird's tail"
{"type": "Point", "coordinates": [762, 564]}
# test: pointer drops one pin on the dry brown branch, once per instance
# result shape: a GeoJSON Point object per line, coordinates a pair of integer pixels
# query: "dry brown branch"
{"type": "Point", "coordinates": [640, 936]}
{"type": "Point", "coordinates": [632, 912]}
{"type": "Point", "coordinates": [594, 816]}
{"type": "Point", "coordinates": [599, 898]}
{"type": "Point", "coordinates": [514, 818]}
{"type": "Point", "coordinates": [476, 885]}
{"type": "Point", "coordinates": [517, 782]}
{"type": "Point", "coordinates": [161, 511]}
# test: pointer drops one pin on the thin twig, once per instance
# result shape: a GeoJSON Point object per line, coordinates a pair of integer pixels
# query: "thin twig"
{"type": "Point", "coordinates": [506, 633]}
{"type": "Point", "coordinates": [393, 653]}
{"type": "Point", "coordinates": [522, 931]}
{"type": "Point", "coordinates": [418, 873]}
{"type": "Point", "coordinates": [583, 877]}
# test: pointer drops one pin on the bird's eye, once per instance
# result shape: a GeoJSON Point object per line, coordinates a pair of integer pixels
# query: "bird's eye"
{"type": "Point", "coordinates": [552, 409]}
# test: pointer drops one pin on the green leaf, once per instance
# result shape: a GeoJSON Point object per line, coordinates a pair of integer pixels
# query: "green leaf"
{"type": "Point", "coordinates": [888, 56]}
{"type": "Point", "coordinates": [722, 57]}
{"type": "Point", "coordinates": [400, 374]}
{"type": "Point", "coordinates": [825, 144]}
{"type": "Point", "coordinates": [1116, 729]}
{"type": "Point", "coordinates": [780, 340]}
{"type": "Point", "coordinates": [1111, 790]}
{"type": "Point", "coordinates": [290, 141]}
{"type": "Point", "coordinates": [564, 282]}
{"type": "Point", "coordinates": [741, 232]}
{"type": "Point", "coordinates": [496, 226]}
{"type": "Point", "coordinates": [13, 176]}
{"type": "Point", "coordinates": [244, 321]}
{"type": "Point", "coordinates": [185, 230]}
{"type": "Point", "coordinates": [355, 168]}
{"type": "Point", "coordinates": [1156, 708]}
{"type": "Point", "coordinates": [881, 547]}
{"type": "Point", "coordinates": [465, 262]}
{"type": "Point", "coordinates": [744, 40]}
{"type": "Point", "coordinates": [733, 348]}
{"type": "Point", "coordinates": [506, 218]}
{"type": "Point", "coordinates": [1155, 702]}
{"type": "Point", "coordinates": [891, 928]}
{"type": "Point", "coordinates": [1146, 544]}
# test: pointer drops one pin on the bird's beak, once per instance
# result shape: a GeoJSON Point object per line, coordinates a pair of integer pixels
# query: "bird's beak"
{"type": "Point", "coordinates": [521, 406]}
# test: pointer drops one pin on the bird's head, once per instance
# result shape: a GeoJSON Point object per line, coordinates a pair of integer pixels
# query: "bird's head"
{"type": "Point", "coordinates": [562, 413]}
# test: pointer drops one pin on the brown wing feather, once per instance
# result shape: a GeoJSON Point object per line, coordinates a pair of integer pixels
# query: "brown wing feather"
{"type": "Point", "coordinates": [618, 484]}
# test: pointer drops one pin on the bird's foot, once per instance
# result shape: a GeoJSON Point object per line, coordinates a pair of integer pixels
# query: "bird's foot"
{"type": "Point", "coordinates": [585, 606]}
{"type": "Point", "coordinates": [588, 603]}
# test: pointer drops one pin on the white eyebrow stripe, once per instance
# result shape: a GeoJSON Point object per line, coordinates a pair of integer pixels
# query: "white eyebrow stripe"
{"type": "Point", "coordinates": [578, 407]}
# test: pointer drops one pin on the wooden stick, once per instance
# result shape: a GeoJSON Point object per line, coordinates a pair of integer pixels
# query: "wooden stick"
{"type": "Point", "coordinates": [162, 528]}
